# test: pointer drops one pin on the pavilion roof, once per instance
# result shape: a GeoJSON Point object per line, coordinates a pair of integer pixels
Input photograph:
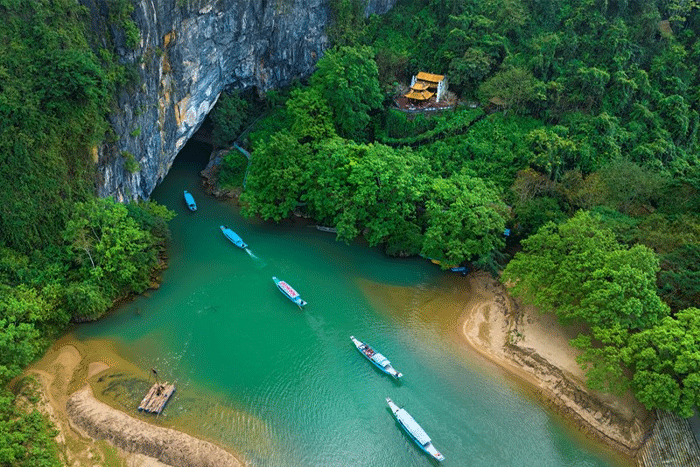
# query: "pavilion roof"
{"type": "Point", "coordinates": [431, 78]}
{"type": "Point", "coordinates": [419, 95]}
{"type": "Point", "coordinates": [420, 86]}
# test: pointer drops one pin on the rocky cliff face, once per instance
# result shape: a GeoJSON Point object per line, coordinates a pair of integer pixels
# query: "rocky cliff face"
{"type": "Point", "coordinates": [191, 50]}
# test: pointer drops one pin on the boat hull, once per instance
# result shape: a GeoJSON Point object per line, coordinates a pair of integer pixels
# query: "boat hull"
{"type": "Point", "coordinates": [289, 292]}
{"type": "Point", "coordinates": [189, 200]}
{"type": "Point", "coordinates": [368, 352]}
{"type": "Point", "coordinates": [403, 417]}
{"type": "Point", "coordinates": [233, 237]}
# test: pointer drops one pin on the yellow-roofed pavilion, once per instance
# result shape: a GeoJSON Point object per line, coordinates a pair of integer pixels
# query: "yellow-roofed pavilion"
{"type": "Point", "coordinates": [426, 85]}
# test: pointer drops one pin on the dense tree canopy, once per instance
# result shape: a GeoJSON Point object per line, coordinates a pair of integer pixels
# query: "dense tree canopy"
{"type": "Point", "coordinates": [63, 254]}
{"type": "Point", "coordinates": [666, 363]}
{"type": "Point", "coordinates": [347, 78]}
{"type": "Point", "coordinates": [229, 117]}
{"type": "Point", "coordinates": [54, 93]}
{"type": "Point", "coordinates": [579, 270]}
{"type": "Point", "coordinates": [465, 219]}
{"type": "Point", "coordinates": [110, 249]}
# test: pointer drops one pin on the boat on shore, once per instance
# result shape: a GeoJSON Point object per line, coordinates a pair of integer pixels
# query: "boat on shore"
{"type": "Point", "coordinates": [289, 292]}
{"type": "Point", "coordinates": [233, 236]}
{"type": "Point", "coordinates": [379, 360]}
{"type": "Point", "coordinates": [189, 200]}
{"type": "Point", "coordinates": [415, 431]}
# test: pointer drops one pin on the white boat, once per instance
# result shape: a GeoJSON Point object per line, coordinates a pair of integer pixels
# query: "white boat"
{"type": "Point", "coordinates": [415, 431]}
{"type": "Point", "coordinates": [379, 360]}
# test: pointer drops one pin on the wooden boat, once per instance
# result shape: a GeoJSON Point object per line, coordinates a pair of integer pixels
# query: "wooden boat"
{"type": "Point", "coordinates": [415, 431]}
{"type": "Point", "coordinates": [189, 199]}
{"type": "Point", "coordinates": [379, 360]}
{"type": "Point", "coordinates": [289, 292]}
{"type": "Point", "coordinates": [233, 236]}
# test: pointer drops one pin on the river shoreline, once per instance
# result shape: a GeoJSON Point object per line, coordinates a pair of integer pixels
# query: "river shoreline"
{"type": "Point", "coordinates": [534, 348]}
{"type": "Point", "coordinates": [527, 345]}
{"type": "Point", "coordinates": [90, 430]}
{"type": "Point", "coordinates": [479, 316]}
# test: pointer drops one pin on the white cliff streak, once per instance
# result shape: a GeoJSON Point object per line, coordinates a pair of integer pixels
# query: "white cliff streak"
{"type": "Point", "coordinates": [190, 51]}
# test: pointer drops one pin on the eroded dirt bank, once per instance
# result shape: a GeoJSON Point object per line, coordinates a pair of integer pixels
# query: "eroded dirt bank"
{"type": "Point", "coordinates": [478, 315]}
{"type": "Point", "coordinates": [92, 433]}
{"type": "Point", "coordinates": [477, 312]}
{"type": "Point", "coordinates": [535, 348]}
{"type": "Point", "coordinates": [172, 447]}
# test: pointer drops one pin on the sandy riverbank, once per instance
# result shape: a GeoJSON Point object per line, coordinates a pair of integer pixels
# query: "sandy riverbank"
{"type": "Point", "coordinates": [93, 433]}
{"type": "Point", "coordinates": [478, 315]}
{"type": "Point", "coordinates": [535, 348]}
{"type": "Point", "coordinates": [530, 346]}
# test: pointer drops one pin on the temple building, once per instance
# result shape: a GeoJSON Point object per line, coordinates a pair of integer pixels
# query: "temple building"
{"type": "Point", "coordinates": [426, 85]}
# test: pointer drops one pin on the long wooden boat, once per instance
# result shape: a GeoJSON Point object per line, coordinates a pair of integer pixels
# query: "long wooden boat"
{"type": "Point", "coordinates": [233, 236]}
{"type": "Point", "coordinates": [189, 200]}
{"type": "Point", "coordinates": [379, 360]}
{"type": "Point", "coordinates": [415, 431]}
{"type": "Point", "coordinates": [289, 292]}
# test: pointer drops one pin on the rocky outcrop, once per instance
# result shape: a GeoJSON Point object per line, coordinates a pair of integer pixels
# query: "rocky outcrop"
{"type": "Point", "coordinates": [189, 51]}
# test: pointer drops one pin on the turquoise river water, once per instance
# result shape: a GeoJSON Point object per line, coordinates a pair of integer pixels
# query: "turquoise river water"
{"type": "Point", "coordinates": [285, 387]}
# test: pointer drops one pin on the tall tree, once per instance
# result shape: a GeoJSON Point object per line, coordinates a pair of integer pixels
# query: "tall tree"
{"type": "Point", "coordinates": [666, 363]}
{"type": "Point", "coordinates": [579, 271]}
{"type": "Point", "coordinates": [465, 220]}
{"type": "Point", "coordinates": [312, 118]}
{"type": "Point", "coordinates": [516, 88]}
{"type": "Point", "coordinates": [277, 177]}
{"type": "Point", "coordinates": [679, 280]}
{"type": "Point", "coordinates": [229, 117]}
{"type": "Point", "coordinates": [347, 78]}
{"type": "Point", "coordinates": [109, 248]}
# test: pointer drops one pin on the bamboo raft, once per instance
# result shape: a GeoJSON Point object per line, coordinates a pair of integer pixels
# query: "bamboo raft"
{"type": "Point", "coordinates": [157, 397]}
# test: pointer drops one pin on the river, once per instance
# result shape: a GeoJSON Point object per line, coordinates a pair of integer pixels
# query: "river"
{"type": "Point", "coordinates": [286, 387]}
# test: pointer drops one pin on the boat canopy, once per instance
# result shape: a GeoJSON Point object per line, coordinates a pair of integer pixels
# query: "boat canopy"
{"type": "Point", "coordinates": [288, 289]}
{"type": "Point", "coordinates": [413, 427]}
{"type": "Point", "coordinates": [380, 359]}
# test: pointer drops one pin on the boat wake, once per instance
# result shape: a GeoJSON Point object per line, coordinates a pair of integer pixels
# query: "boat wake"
{"type": "Point", "coordinates": [261, 262]}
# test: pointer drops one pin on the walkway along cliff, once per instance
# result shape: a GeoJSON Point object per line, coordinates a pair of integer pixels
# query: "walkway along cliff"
{"type": "Point", "coordinates": [189, 51]}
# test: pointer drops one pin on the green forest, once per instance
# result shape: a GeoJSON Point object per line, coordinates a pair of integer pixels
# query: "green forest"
{"type": "Point", "coordinates": [575, 128]}
{"type": "Point", "coordinates": [65, 255]}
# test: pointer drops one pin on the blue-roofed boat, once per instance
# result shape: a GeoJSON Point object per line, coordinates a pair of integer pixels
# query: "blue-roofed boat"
{"type": "Point", "coordinates": [189, 199]}
{"type": "Point", "coordinates": [233, 236]}
{"type": "Point", "coordinates": [379, 360]}
{"type": "Point", "coordinates": [289, 292]}
{"type": "Point", "coordinates": [415, 431]}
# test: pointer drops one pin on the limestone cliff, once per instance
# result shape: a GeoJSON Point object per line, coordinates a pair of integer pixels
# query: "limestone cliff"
{"type": "Point", "coordinates": [191, 50]}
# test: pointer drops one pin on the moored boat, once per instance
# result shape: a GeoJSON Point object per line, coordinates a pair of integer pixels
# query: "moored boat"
{"type": "Point", "coordinates": [415, 431]}
{"type": "Point", "coordinates": [379, 360]}
{"type": "Point", "coordinates": [189, 199]}
{"type": "Point", "coordinates": [233, 236]}
{"type": "Point", "coordinates": [289, 292]}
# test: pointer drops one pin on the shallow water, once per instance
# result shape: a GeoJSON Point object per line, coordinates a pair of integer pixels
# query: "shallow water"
{"type": "Point", "coordinates": [286, 387]}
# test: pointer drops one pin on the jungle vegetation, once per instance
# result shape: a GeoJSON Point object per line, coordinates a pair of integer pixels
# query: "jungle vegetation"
{"type": "Point", "coordinates": [584, 144]}
{"type": "Point", "coordinates": [65, 255]}
{"type": "Point", "coordinates": [590, 161]}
